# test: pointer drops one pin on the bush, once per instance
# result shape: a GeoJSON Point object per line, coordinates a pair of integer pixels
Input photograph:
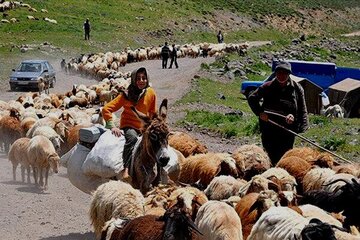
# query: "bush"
{"type": "Point", "coordinates": [333, 143]}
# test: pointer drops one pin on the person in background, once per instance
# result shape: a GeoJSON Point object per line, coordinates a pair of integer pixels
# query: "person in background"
{"type": "Point", "coordinates": [220, 37]}
{"type": "Point", "coordinates": [87, 29]}
{"type": "Point", "coordinates": [173, 57]}
{"type": "Point", "coordinates": [165, 52]}
{"type": "Point", "coordinates": [140, 95]}
{"type": "Point", "coordinates": [283, 102]}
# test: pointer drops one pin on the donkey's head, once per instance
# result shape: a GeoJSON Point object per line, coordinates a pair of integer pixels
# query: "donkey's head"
{"type": "Point", "coordinates": [155, 134]}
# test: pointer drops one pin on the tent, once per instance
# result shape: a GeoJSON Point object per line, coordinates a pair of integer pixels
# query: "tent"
{"type": "Point", "coordinates": [312, 94]}
{"type": "Point", "coordinates": [346, 93]}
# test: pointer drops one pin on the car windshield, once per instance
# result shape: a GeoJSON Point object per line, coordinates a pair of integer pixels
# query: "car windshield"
{"type": "Point", "coordinates": [29, 67]}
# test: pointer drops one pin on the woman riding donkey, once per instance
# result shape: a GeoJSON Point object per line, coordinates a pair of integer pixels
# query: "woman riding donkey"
{"type": "Point", "coordinates": [143, 98]}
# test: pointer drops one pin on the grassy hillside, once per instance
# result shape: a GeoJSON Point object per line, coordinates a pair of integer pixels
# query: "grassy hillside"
{"type": "Point", "coordinates": [118, 24]}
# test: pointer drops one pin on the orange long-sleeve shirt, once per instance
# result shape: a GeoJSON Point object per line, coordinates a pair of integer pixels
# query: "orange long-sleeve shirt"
{"type": "Point", "coordinates": [146, 105]}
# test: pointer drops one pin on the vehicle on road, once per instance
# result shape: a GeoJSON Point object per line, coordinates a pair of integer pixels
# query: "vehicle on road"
{"type": "Point", "coordinates": [27, 74]}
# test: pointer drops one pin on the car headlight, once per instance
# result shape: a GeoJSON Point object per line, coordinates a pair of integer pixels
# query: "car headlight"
{"type": "Point", "coordinates": [13, 79]}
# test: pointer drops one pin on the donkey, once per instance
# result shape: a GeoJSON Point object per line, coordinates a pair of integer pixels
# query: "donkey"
{"type": "Point", "coordinates": [151, 154]}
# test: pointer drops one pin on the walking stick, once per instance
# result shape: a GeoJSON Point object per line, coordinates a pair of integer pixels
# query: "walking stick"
{"type": "Point", "coordinates": [304, 138]}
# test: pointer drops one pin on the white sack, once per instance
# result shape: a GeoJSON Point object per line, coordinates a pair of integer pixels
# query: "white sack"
{"type": "Point", "coordinates": [85, 183]}
{"type": "Point", "coordinates": [105, 159]}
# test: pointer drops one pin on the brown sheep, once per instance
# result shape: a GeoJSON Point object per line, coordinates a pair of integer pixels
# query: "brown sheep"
{"type": "Point", "coordinates": [71, 137]}
{"type": "Point", "coordinates": [312, 156]}
{"type": "Point", "coordinates": [27, 123]}
{"type": "Point", "coordinates": [186, 144]}
{"type": "Point", "coordinates": [17, 156]}
{"type": "Point", "coordinates": [252, 205]}
{"type": "Point", "coordinates": [205, 167]}
{"type": "Point", "coordinates": [10, 129]}
{"type": "Point", "coordinates": [252, 159]}
{"type": "Point", "coordinates": [297, 167]}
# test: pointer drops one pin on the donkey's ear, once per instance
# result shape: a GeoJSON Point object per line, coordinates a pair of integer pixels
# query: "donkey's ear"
{"type": "Point", "coordinates": [163, 108]}
{"type": "Point", "coordinates": [140, 115]}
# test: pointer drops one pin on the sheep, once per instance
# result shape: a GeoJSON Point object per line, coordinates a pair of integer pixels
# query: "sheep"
{"type": "Point", "coordinates": [252, 206]}
{"type": "Point", "coordinates": [252, 159]}
{"type": "Point", "coordinates": [335, 111]}
{"type": "Point", "coordinates": [27, 123]}
{"type": "Point", "coordinates": [186, 144]}
{"type": "Point", "coordinates": [174, 224]}
{"type": "Point", "coordinates": [52, 122]}
{"type": "Point", "coordinates": [156, 200]}
{"type": "Point", "coordinates": [279, 175]}
{"type": "Point", "coordinates": [107, 96]}
{"type": "Point", "coordinates": [190, 198]}
{"type": "Point", "coordinates": [343, 199]}
{"type": "Point", "coordinates": [50, 134]}
{"type": "Point", "coordinates": [72, 137]}
{"type": "Point", "coordinates": [218, 220]}
{"type": "Point", "coordinates": [81, 102]}
{"type": "Point", "coordinates": [10, 129]}
{"type": "Point", "coordinates": [280, 223]}
{"type": "Point", "coordinates": [257, 184]}
{"type": "Point", "coordinates": [223, 187]}
{"type": "Point", "coordinates": [42, 155]}
{"type": "Point", "coordinates": [205, 167]}
{"type": "Point", "coordinates": [329, 186]}
{"type": "Point", "coordinates": [310, 211]}
{"type": "Point", "coordinates": [50, 20]}
{"type": "Point", "coordinates": [312, 156]}
{"type": "Point", "coordinates": [114, 199]}
{"type": "Point", "coordinates": [17, 156]}
{"type": "Point", "coordinates": [296, 166]}
{"type": "Point", "coordinates": [315, 178]}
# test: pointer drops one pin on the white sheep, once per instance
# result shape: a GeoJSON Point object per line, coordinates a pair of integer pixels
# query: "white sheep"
{"type": "Point", "coordinates": [115, 199]}
{"type": "Point", "coordinates": [50, 134]}
{"type": "Point", "coordinates": [217, 220]}
{"type": "Point", "coordinates": [310, 211]}
{"type": "Point", "coordinates": [42, 155]}
{"type": "Point", "coordinates": [223, 187]}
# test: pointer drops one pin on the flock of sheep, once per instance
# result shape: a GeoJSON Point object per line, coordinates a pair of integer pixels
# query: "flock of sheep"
{"type": "Point", "coordinates": [307, 195]}
{"type": "Point", "coordinates": [5, 6]}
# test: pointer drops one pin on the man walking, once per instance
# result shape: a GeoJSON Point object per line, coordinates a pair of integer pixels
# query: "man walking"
{"type": "Point", "coordinates": [220, 37]}
{"type": "Point", "coordinates": [87, 29]}
{"type": "Point", "coordinates": [173, 57]}
{"type": "Point", "coordinates": [165, 52]}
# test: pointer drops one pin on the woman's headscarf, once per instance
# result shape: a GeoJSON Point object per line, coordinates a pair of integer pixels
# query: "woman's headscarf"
{"type": "Point", "coordinates": [133, 93]}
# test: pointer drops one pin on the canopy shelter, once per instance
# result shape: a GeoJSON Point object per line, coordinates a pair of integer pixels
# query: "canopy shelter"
{"type": "Point", "coordinates": [346, 93]}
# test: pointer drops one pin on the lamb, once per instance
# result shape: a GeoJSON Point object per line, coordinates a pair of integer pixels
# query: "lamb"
{"type": "Point", "coordinates": [252, 159]}
{"type": "Point", "coordinates": [205, 167]}
{"type": "Point", "coordinates": [42, 155]}
{"type": "Point", "coordinates": [186, 144]}
{"type": "Point", "coordinates": [17, 156]}
{"type": "Point", "coordinates": [218, 220]}
{"type": "Point", "coordinates": [115, 199]}
{"type": "Point", "coordinates": [280, 223]}
{"type": "Point", "coordinates": [223, 187]}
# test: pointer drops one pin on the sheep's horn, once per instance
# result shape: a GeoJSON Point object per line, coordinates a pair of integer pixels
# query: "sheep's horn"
{"type": "Point", "coordinates": [339, 228]}
{"type": "Point", "coordinates": [183, 184]}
